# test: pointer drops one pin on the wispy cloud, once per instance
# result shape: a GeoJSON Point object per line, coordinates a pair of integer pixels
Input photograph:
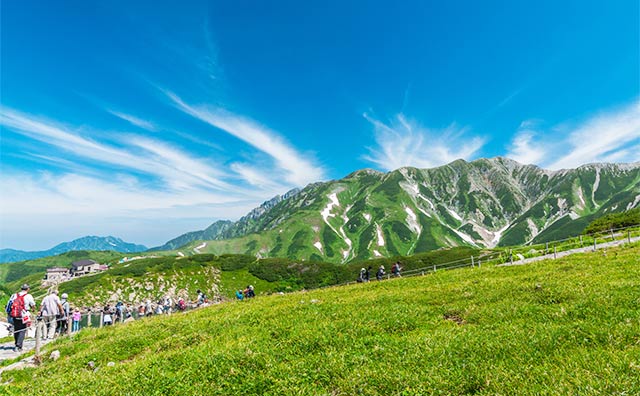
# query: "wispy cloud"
{"type": "Point", "coordinates": [140, 123]}
{"type": "Point", "coordinates": [120, 205]}
{"type": "Point", "coordinates": [524, 147]}
{"type": "Point", "coordinates": [290, 165]}
{"type": "Point", "coordinates": [604, 135]}
{"type": "Point", "coordinates": [608, 136]}
{"type": "Point", "coordinates": [177, 169]}
{"type": "Point", "coordinates": [405, 143]}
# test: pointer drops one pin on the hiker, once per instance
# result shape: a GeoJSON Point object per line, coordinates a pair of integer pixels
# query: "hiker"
{"type": "Point", "coordinates": [202, 298]}
{"type": "Point", "coordinates": [240, 294]}
{"type": "Point", "coordinates": [21, 304]}
{"type": "Point", "coordinates": [128, 316]}
{"type": "Point", "coordinates": [159, 308]}
{"type": "Point", "coordinates": [361, 275]}
{"type": "Point", "coordinates": [148, 308]}
{"type": "Point", "coordinates": [396, 268]}
{"type": "Point", "coordinates": [75, 317]}
{"type": "Point", "coordinates": [250, 292]}
{"type": "Point", "coordinates": [63, 320]}
{"type": "Point", "coordinates": [107, 318]}
{"type": "Point", "coordinates": [51, 310]}
{"type": "Point", "coordinates": [119, 314]}
{"type": "Point", "coordinates": [367, 273]}
{"type": "Point", "coordinates": [141, 311]}
{"type": "Point", "coordinates": [380, 273]}
{"type": "Point", "coordinates": [128, 312]}
{"type": "Point", "coordinates": [182, 305]}
{"type": "Point", "coordinates": [167, 305]}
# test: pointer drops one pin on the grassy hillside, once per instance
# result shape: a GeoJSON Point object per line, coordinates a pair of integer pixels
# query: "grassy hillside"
{"type": "Point", "coordinates": [219, 276]}
{"type": "Point", "coordinates": [569, 326]}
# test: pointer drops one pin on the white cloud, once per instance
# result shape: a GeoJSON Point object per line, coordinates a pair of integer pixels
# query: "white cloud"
{"type": "Point", "coordinates": [405, 143]}
{"type": "Point", "coordinates": [122, 206]}
{"type": "Point", "coordinates": [291, 165]}
{"type": "Point", "coordinates": [608, 136]}
{"type": "Point", "coordinates": [176, 168]}
{"type": "Point", "coordinates": [133, 120]}
{"type": "Point", "coordinates": [524, 147]}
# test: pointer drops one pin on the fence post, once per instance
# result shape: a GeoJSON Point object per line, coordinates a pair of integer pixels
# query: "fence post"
{"type": "Point", "coordinates": [511, 256]}
{"type": "Point", "coordinates": [434, 268]}
{"type": "Point", "coordinates": [89, 319]}
{"type": "Point", "coordinates": [580, 240]}
{"type": "Point", "coordinates": [628, 236]}
{"type": "Point", "coordinates": [546, 248]}
{"type": "Point", "coordinates": [612, 237]}
{"type": "Point", "coordinates": [422, 273]}
{"type": "Point", "coordinates": [471, 261]}
{"type": "Point", "coordinates": [37, 353]}
{"type": "Point", "coordinates": [555, 256]}
{"type": "Point", "coordinates": [101, 319]}
{"type": "Point", "coordinates": [479, 263]}
{"type": "Point", "coordinates": [595, 246]}
{"type": "Point", "coordinates": [69, 325]}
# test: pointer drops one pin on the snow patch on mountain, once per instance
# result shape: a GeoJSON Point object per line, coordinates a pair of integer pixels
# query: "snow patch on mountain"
{"type": "Point", "coordinates": [345, 218]}
{"type": "Point", "coordinates": [380, 235]}
{"type": "Point", "coordinates": [464, 237]}
{"type": "Point", "coordinates": [326, 212]}
{"type": "Point", "coordinates": [454, 214]}
{"type": "Point", "coordinates": [596, 184]}
{"type": "Point", "coordinates": [197, 248]}
{"type": "Point", "coordinates": [497, 235]}
{"type": "Point", "coordinates": [634, 203]}
{"type": "Point", "coordinates": [581, 197]}
{"type": "Point", "coordinates": [367, 217]}
{"type": "Point", "coordinates": [376, 253]}
{"type": "Point", "coordinates": [318, 246]}
{"type": "Point", "coordinates": [412, 221]}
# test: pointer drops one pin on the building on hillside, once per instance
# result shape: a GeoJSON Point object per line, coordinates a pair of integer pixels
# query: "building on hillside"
{"type": "Point", "coordinates": [57, 274]}
{"type": "Point", "coordinates": [84, 267]}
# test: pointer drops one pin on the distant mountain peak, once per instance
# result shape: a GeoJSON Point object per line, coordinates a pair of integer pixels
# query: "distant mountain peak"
{"type": "Point", "coordinates": [90, 242]}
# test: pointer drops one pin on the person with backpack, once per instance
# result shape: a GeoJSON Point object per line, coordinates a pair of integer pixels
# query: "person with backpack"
{"type": "Point", "coordinates": [380, 273]}
{"type": "Point", "coordinates": [182, 305]}
{"type": "Point", "coordinates": [395, 270]}
{"type": "Point", "coordinates": [51, 310]}
{"type": "Point", "coordinates": [21, 304]}
{"type": "Point", "coordinates": [202, 298]}
{"type": "Point", "coordinates": [63, 320]}
{"type": "Point", "coordinates": [361, 275]}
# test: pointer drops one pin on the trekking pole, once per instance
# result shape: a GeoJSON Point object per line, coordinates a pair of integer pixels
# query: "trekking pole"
{"type": "Point", "coordinates": [37, 353]}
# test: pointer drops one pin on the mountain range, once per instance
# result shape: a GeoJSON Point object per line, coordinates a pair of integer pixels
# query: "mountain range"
{"type": "Point", "coordinates": [484, 203]}
{"type": "Point", "coordinates": [84, 243]}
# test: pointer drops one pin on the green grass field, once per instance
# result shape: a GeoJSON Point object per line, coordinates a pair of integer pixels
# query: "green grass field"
{"type": "Point", "coordinates": [570, 326]}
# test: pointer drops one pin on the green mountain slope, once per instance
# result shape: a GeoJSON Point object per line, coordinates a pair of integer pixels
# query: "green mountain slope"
{"type": "Point", "coordinates": [567, 326]}
{"type": "Point", "coordinates": [218, 276]}
{"type": "Point", "coordinates": [484, 203]}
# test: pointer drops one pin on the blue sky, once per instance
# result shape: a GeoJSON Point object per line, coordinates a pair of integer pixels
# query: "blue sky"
{"type": "Point", "coordinates": [144, 120]}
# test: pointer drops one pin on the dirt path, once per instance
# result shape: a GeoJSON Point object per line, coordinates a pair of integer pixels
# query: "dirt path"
{"type": "Point", "coordinates": [572, 251]}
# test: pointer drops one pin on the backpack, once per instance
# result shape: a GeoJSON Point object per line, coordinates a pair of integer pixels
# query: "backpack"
{"type": "Point", "coordinates": [17, 306]}
{"type": "Point", "coordinates": [7, 309]}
